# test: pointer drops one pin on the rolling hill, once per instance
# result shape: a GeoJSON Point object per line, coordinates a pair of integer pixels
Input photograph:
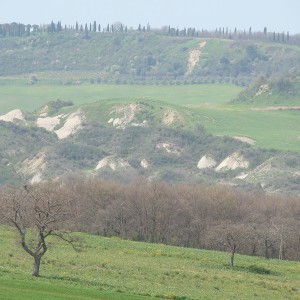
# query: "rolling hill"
{"type": "Point", "coordinates": [125, 138]}
{"type": "Point", "coordinates": [160, 129]}
{"type": "Point", "coordinates": [69, 57]}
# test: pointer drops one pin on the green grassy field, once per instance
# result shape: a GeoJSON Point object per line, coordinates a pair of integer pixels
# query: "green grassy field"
{"type": "Point", "coordinates": [29, 98]}
{"type": "Point", "coordinates": [108, 268]}
{"type": "Point", "coordinates": [270, 129]}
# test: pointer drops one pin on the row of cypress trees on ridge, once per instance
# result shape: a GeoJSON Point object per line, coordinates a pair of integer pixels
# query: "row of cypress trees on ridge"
{"type": "Point", "coordinates": [19, 29]}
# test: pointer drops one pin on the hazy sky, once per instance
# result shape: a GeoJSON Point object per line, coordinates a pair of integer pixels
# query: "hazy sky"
{"type": "Point", "coordinates": [276, 15]}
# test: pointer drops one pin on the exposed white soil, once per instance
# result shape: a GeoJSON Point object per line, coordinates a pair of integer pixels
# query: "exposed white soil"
{"type": "Point", "coordinates": [44, 111]}
{"type": "Point", "coordinates": [245, 139]}
{"type": "Point", "coordinates": [103, 163]}
{"type": "Point", "coordinates": [172, 116]}
{"type": "Point", "coordinates": [263, 169]}
{"type": "Point", "coordinates": [206, 162]}
{"type": "Point", "coordinates": [49, 123]}
{"type": "Point", "coordinates": [232, 162]}
{"type": "Point", "coordinates": [128, 113]}
{"type": "Point", "coordinates": [169, 147]}
{"type": "Point", "coordinates": [113, 163]}
{"type": "Point", "coordinates": [36, 178]}
{"type": "Point", "coordinates": [34, 166]}
{"type": "Point", "coordinates": [242, 176]}
{"type": "Point", "coordinates": [144, 164]}
{"type": "Point", "coordinates": [13, 116]}
{"type": "Point", "coordinates": [266, 170]}
{"type": "Point", "coordinates": [262, 89]}
{"type": "Point", "coordinates": [143, 124]}
{"type": "Point", "coordinates": [194, 58]}
{"type": "Point", "coordinates": [73, 124]}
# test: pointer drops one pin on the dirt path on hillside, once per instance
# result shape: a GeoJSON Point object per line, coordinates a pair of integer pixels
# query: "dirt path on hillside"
{"type": "Point", "coordinates": [194, 57]}
{"type": "Point", "coordinates": [277, 108]}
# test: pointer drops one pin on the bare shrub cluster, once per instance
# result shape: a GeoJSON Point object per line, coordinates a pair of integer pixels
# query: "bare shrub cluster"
{"type": "Point", "coordinates": [219, 218]}
{"type": "Point", "coordinates": [208, 217]}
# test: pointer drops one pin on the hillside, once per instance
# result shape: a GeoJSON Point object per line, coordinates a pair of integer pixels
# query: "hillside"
{"type": "Point", "coordinates": [145, 57]}
{"type": "Point", "coordinates": [109, 268]}
{"type": "Point", "coordinates": [122, 139]}
{"type": "Point", "coordinates": [160, 129]}
{"type": "Point", "coordinates": [281, 92]}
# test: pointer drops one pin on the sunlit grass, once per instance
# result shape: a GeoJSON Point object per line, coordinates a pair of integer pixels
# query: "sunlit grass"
{"type": "Point", "coordinates": [29, 98]}
{"type": "Point", "coordinates": [111, 265]}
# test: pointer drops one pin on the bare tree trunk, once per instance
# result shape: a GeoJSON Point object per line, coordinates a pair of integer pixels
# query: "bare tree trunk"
{"type": "Point", "coordinates": [232, 259]}
{"type": "Point", "coordinates": [281, 245]}
{"type": "Point", "coordinates": [36, 267]}
{"type": "Point", "coordinates": [266, 249]}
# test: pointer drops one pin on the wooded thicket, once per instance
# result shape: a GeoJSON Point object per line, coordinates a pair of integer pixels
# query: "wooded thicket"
{"type": "Point", "coordinates": [208, 217]}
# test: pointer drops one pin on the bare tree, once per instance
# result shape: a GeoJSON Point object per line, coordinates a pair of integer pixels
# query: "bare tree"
{"type": "Point", "coordinates": [36, 211]}
{"type": "Point", "coordinates": [230, 237]}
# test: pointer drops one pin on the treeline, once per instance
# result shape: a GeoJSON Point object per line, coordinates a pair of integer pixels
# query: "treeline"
{"type": "Point", "coordinates": [19, 29]}
{"type": "Point", "coordinates": [208, 217]}
{"type": "Point", "coordinates": [226, 33]}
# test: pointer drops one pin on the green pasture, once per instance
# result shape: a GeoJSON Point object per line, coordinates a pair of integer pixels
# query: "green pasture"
{"type": "Point", "coordinates": [29, 98]}
{"type": "Point", "coordinates": [109, 268]}
{"type": "Point", "coordinates": [30, 289]}
{"type": "Point", "coordinates": [270, 129]}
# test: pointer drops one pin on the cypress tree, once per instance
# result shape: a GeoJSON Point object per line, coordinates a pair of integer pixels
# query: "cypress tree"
{"type": "Point", "coordinates": [265, 30]}
{"type": "Point", "coordinates": [86, 31]}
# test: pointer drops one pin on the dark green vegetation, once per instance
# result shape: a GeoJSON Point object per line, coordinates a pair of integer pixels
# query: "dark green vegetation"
{"type": "Point", "coordinates": [110, 268]}
{"type": "Point", "coordinates": [152, 57]}
{"type": "Point", "coordinates": [279, 92]}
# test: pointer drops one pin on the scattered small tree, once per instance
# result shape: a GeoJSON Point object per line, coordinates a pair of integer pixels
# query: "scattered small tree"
{"type": "Point", "coordinates": [36, 210]}
{"type": "Point", "coordinates": [230, 237]}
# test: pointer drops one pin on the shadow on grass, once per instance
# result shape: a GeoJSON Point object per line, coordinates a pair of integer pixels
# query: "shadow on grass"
{"type": "Point", "coordinates": [254, 269]}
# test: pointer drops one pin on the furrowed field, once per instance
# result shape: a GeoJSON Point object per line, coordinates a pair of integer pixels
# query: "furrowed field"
{"type": "Point", "coordinates": [210, 101]}
{"type": "Point", "coordinates": [108, 268]}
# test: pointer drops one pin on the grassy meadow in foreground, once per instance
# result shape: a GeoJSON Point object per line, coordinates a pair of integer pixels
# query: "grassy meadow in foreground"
{"type": "Point", "coordinates": [109, 268]}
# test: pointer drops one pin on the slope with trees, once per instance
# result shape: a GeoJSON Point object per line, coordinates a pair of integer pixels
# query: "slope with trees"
{"type": "Point", "coordinates": [146, 56]}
